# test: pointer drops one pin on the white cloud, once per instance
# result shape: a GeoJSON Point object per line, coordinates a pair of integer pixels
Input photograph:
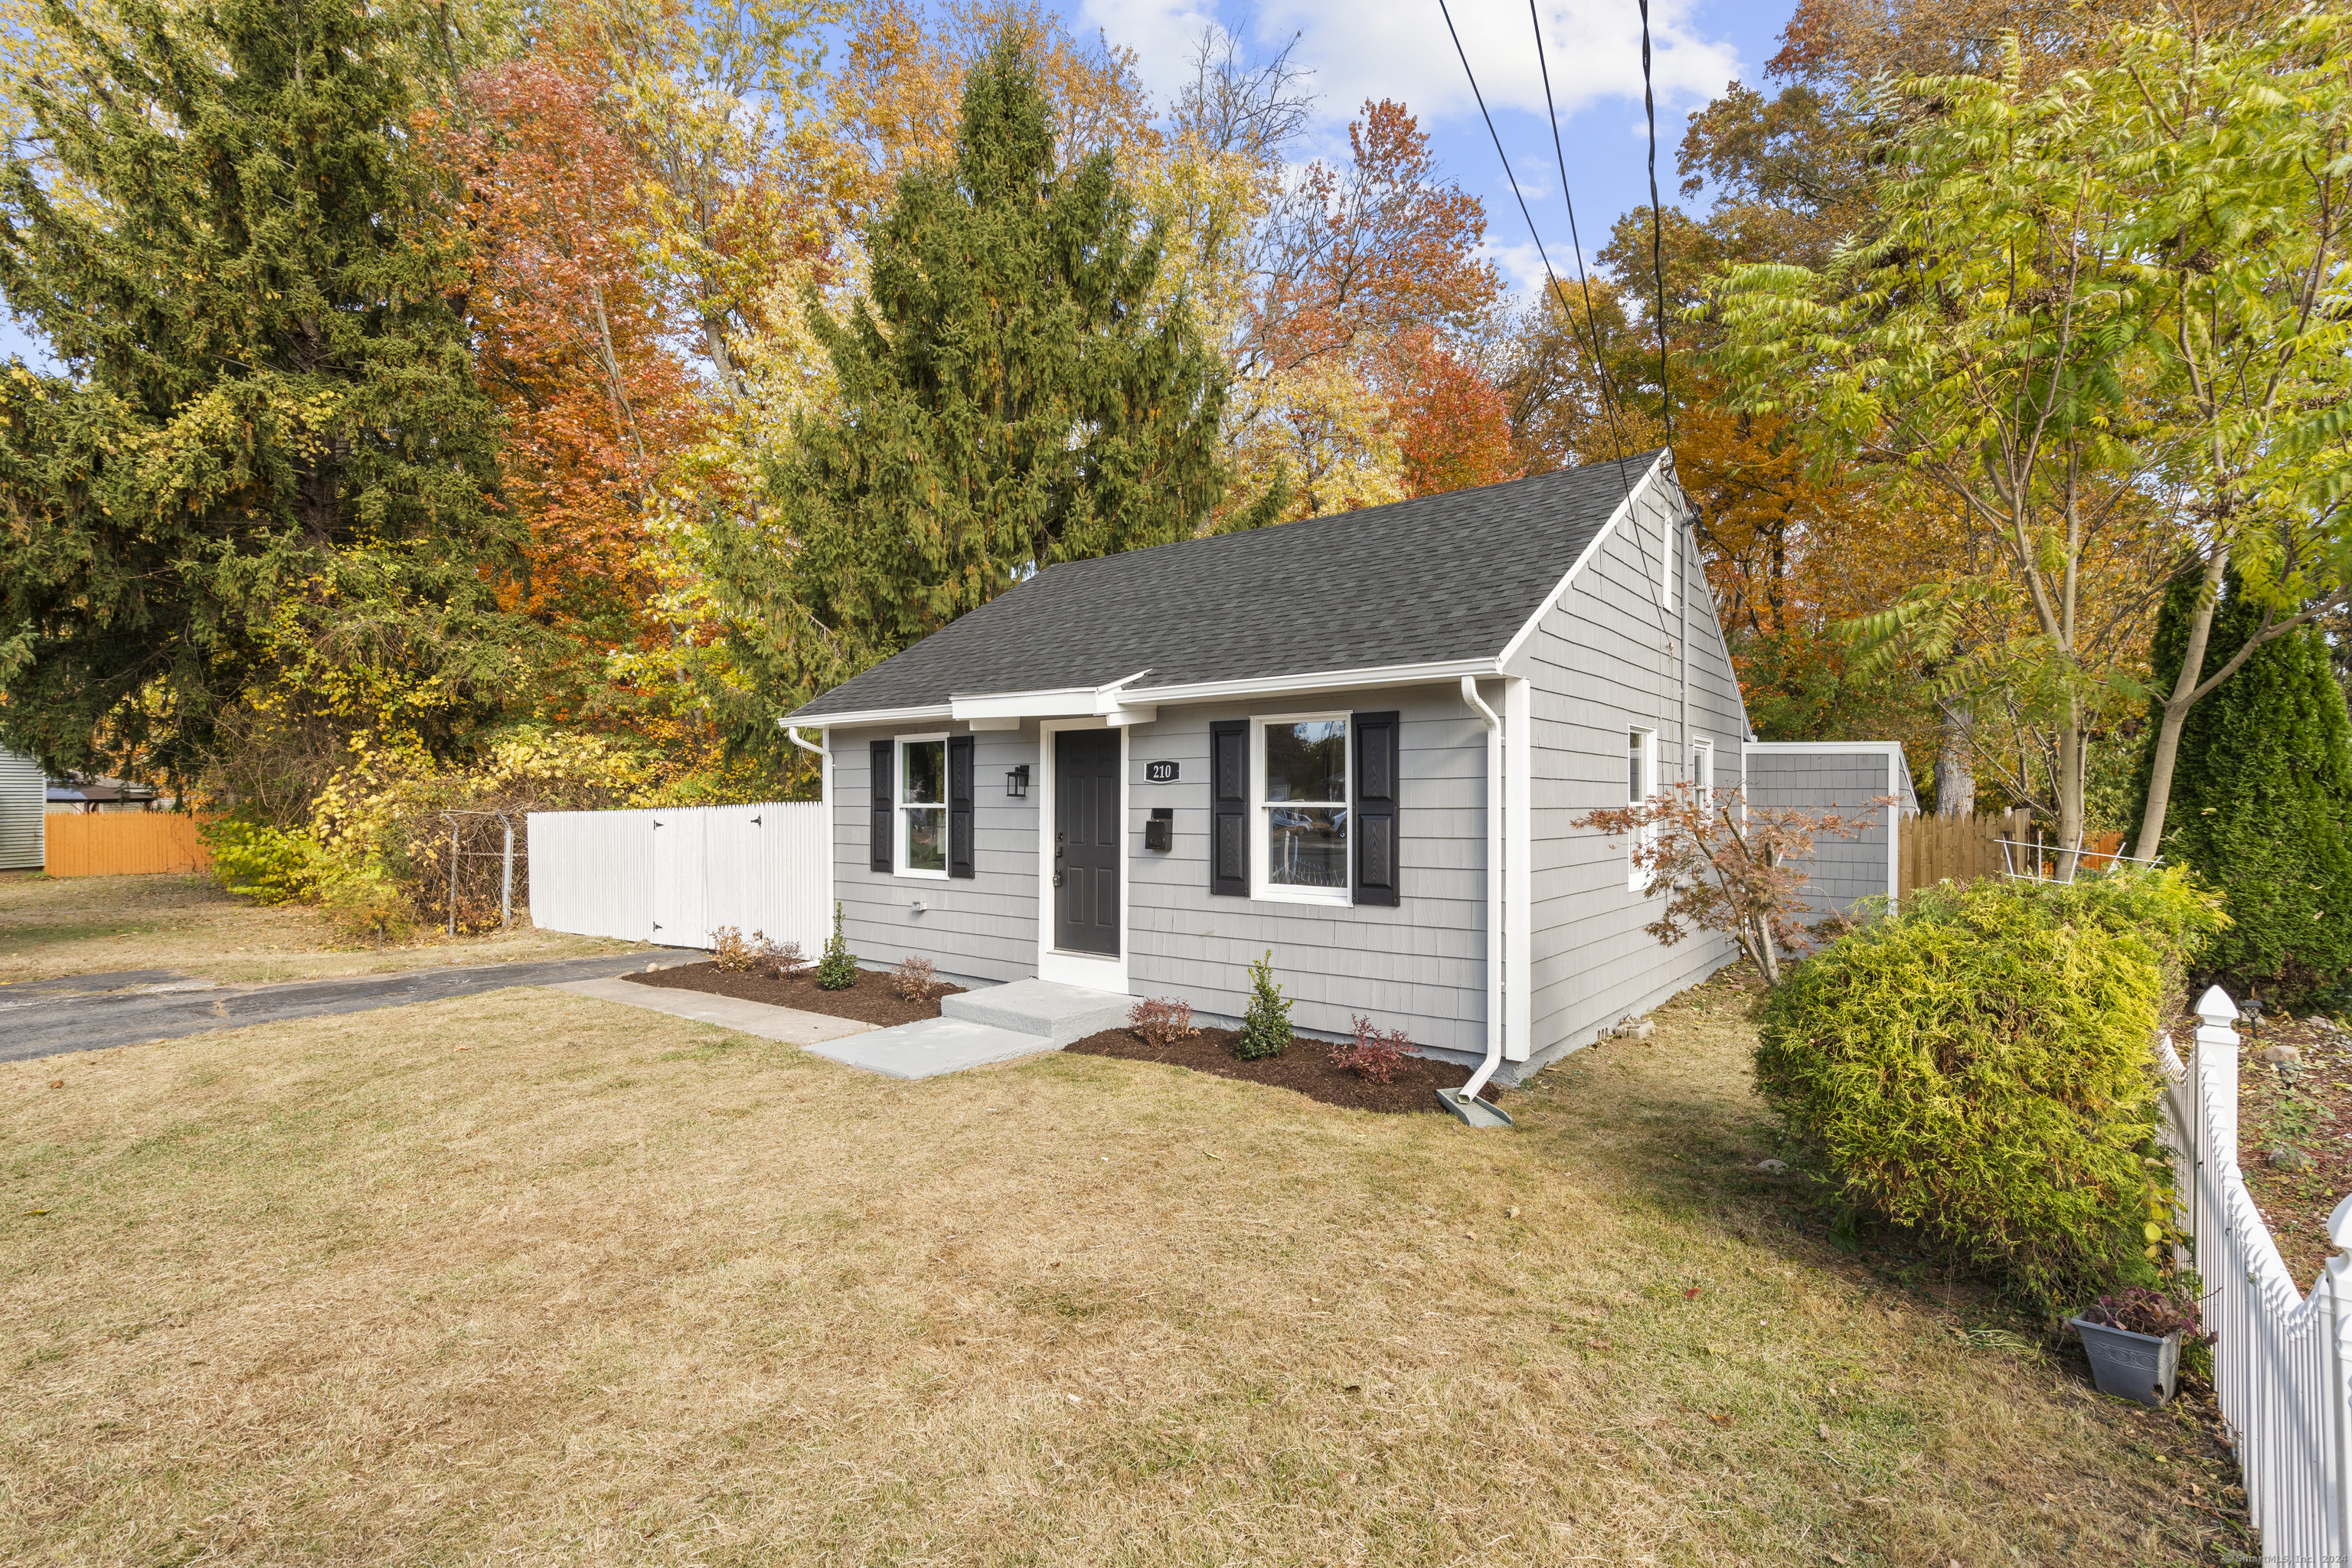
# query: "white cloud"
{"type": "Point", "coordinates": [1398, 48]}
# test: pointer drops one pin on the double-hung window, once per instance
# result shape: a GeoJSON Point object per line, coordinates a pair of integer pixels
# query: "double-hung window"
{"type": "Point", "coordinates": [922, 810]}
{"type": "Point", "coordinates": [1641, 783]}
{"type": "Point", "coordinates": [1299, 769]}
{"type": "Point", "coordinates": [1703, 772]}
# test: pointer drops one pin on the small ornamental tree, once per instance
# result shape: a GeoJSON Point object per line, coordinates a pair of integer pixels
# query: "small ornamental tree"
{"type": "Point", "coordinates": [837, 970]}
{"type": "Point", "coordinates": [1728, 867]}
{"type": "Point", "coordinates": [1266, 1032]}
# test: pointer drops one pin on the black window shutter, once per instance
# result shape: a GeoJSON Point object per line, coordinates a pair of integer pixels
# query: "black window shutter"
{"type": "Point", "coordinates": [1377, 879]}
{"type": "Point", "coordinates": [1229, 807]}
{"type": "Point", "coordinates": [960, 806]}
{"type": "Point", "coordinates": [883, 786]}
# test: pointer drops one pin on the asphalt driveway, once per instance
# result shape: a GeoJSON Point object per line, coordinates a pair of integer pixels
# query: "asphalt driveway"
{"type": "Point", "coordinates": [93, 1012]}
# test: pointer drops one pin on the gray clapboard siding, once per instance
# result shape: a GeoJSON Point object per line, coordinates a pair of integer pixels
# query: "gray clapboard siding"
{"type": "Point", "coordinates": [24, 796]}
{"type": "Point", "coordinates": [1843, 871]}
{"type": "Point", "coordinates": [1419, 967]}
{"type": "Point", "coordinates": [1602, 662]}
{"type": "Point", "coordinates": [979, 928]}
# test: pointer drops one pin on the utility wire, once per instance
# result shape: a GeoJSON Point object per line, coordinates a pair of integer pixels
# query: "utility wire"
{"type": "Point", "coordinates": [1575, 240]}
{"type": "Point", "coordinates": [1657, 226]}
{"type": "Point", "coordinates": [1535, 234]}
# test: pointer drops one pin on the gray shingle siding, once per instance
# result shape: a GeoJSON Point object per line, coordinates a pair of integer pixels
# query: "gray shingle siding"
{"type": "Point", "coordinates": [1842, 871]}
{"type": "Point", "coordinates": [1420, 966]}
{"type": "Point", "coordinates": [1597, 666]}
{"type": "Point", "coordinates": [979, 928]}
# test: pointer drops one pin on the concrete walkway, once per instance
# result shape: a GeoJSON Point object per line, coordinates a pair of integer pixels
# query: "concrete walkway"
{"type": "Point", "coordinates": [789, 1025]}
{"type": "Point", "coordinates": [96, 1012]}
{"type": "Point", "coordinates": [993, 1024]}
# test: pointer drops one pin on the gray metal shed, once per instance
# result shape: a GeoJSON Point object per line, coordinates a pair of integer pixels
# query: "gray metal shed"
{"type": "Point", "coordinates": [23, 838]}
{"type": "Point", "coordinates": [1360, 742]}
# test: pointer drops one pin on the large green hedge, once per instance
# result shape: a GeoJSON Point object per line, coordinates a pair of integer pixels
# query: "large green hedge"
{"type": "Point", "coordinates": [1981, 1067]}
{"type": "Point", "coordinates": [2262, 801]}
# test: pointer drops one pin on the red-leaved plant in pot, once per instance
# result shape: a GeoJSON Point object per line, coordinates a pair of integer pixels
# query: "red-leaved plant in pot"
{"type": "Point", "coordinates": [2134, 1341]}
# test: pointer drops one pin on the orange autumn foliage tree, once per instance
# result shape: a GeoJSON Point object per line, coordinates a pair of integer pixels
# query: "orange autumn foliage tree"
{"type": "Point", "coordinates": [1454, 429]}
{"type": "Point", "coordinates": [570, 334]}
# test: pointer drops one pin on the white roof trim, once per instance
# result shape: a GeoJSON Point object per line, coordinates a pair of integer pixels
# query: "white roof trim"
{"type": "Point", "coordinates": [1593, 548]}
{"type": "Point", "coordinates": [1321, 680]}
{"type": "Point", "coordinates": [872, 716]}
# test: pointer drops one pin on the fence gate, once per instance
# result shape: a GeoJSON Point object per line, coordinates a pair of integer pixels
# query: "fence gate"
{"type": "Point", "coordinates": [679, 868]}
{"type": "Point", "coordinates": [673, 875]}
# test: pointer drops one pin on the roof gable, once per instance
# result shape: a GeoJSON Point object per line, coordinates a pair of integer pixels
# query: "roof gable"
{"type": "Point", "coordinates": [1443, 578]}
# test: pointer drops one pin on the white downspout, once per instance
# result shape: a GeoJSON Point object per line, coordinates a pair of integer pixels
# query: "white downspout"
{"type": "Point", "coordinates": [822, 753]}
{"type": "Point", "coordinates": [1495, 947]}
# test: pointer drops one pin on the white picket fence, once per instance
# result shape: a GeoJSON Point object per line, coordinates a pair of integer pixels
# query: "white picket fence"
{"type": "Point", "coordinates": [2282, 1361]}
{"type": "Point", "coordinates": [673, 876]}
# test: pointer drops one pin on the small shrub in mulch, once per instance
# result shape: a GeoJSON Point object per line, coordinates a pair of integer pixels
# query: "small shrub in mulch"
{"type": "Point", "coordinates": [869, 998]}
{"type": "Point", "coordinates": [1306, 1069]}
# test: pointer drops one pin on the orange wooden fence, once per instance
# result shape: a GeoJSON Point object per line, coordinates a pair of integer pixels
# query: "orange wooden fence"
{"type": "Point", "coordinates": [114, 843]}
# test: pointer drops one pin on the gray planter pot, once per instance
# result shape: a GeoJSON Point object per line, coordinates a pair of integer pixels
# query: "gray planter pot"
{"type": "Point", "coordinates": [2142, 1368]}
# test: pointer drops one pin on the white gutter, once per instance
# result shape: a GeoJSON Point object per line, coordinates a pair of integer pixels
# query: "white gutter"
{"type": "Point", "coordinates": [1469, 1091]}
{"type": "Point", "coordinates": [823, 755]}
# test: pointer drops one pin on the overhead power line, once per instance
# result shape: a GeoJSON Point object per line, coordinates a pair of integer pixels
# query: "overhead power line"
{"type": "Point", "coordinates": [1657, 226]}
{"type": "Point", "coordinates": [1575, 240]}
{"type": "Point", "coordinates": [1536, 235]}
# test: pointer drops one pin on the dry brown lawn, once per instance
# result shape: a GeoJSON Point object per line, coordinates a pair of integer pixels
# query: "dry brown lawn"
{"type": "Point", "coordinates": [52, 926]}
{"type": "Point", "coordinates": [533, 1277]}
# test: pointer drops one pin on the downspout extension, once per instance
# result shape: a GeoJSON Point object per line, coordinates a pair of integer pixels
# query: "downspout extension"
{"type": "Point", "coordinates": [1464, 1102]}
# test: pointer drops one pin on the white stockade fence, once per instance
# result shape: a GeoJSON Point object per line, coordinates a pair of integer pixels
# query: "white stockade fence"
{"type": "Point", "coordinates": [673, 875]}
{"type": "Point", "coordinates": [2281, 1361]}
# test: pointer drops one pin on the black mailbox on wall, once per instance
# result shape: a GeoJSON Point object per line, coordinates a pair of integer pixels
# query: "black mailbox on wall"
{"type": "Point", "coordinates": [1159, 833]}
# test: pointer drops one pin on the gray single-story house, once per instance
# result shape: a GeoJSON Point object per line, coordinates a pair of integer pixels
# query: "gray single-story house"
{"type": "Point", "coordinates": [1360, 742]}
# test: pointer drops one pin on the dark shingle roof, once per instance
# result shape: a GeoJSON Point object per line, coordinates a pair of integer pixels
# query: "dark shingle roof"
{"type": "Point", "coordinates": [1445, 577]}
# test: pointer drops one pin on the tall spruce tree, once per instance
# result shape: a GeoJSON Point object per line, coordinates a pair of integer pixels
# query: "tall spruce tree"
{"type": "Point", "coordinates": [2262, 799]}
{"type": "Point", "coordinates": [265, 476]}
{"type": "Point", "coordinates": [1012, 395]}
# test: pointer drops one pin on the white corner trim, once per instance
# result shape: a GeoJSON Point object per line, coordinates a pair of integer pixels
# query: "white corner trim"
{"type": "Point", "coordinates": [1592, 547]}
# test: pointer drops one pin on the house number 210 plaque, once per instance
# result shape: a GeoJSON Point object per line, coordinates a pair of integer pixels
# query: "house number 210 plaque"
{"type": "Point", "coordinates": [1160, 772]}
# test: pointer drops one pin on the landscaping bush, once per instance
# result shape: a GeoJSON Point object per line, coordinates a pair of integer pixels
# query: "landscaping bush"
{"type": "Point", "coordinates": [1981, 1067]}
{"type": "Point", "coordinates": [1161, 1021]}
{"type": "Point", "coordinates": [781, 959]}
{"type": "Point", "coordinates": [837, 969]}
{"type": "Point", "coordinates": [1373, 1053]}
{"type": "Point", "coordinates": [730, 952]}
{"type": "Point", "coordinates": [1266, 1032]}
{"type": "Point", "coordinates": [916, 978]}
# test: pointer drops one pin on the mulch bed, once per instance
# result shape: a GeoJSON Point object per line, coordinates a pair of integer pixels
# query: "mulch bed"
{"type": "Point", "coordinates": [875, 998]}
{"type": "Point", "coordinates": [2304, 1113]}
{"type": "Point", "coordinates": [1305, 1068]}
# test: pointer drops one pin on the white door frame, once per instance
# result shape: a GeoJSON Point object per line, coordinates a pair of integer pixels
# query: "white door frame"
{"type": "Point", "coordinates": [1086, 969]}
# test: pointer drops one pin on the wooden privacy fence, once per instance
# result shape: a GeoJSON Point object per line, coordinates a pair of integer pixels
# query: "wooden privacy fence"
{"type": "Point", "coordinates": [1933, 850]}
{"type": "Point", "coordinates": [673, 876]}
{"type": "Point", "coordinates": [121, 842]}
{"type": "Point", "coordinates": [2281, 1360]}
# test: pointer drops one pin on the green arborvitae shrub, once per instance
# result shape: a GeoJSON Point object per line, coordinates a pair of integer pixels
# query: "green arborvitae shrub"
{"type": "Point", "coordinates": [1266, 1032]}
{"type": "Point", "coordinates": [2261, 802]}
{"type": "Point", "coordinates": [1981, 1067]}
{"type": "Point", "coordinates": [836, 970]}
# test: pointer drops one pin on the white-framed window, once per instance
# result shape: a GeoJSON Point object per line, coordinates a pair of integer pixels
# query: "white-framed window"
{"type": "Point", "coordinates": [1641, 783]}
{"type": "Point", "coordinates": [1301, 768]}
{"type": "Point", "coordinates": [1703, 770]}
{"type": "Point", "coordinates": [921, 816]}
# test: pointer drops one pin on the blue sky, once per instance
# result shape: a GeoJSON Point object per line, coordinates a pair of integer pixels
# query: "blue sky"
{"type": "Point", "coordinates": [1398, 48]}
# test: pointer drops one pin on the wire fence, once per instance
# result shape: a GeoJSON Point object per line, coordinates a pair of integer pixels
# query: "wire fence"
{"type": "Point", "coordinates": [481, 868]}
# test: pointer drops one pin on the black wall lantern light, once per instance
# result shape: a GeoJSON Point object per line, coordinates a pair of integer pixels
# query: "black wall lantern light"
{"type": "Point", "coordinates": [1016, 782]}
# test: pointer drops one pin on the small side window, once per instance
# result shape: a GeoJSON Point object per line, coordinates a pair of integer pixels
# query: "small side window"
{"type": "Point", "coordinates": [1641, 783]}
{"type": "Point", "coordinates": [1703, 769]}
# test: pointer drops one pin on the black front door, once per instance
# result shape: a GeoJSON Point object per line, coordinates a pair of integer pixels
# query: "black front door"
{"type": "Point", "coordinates": [1085, 841]}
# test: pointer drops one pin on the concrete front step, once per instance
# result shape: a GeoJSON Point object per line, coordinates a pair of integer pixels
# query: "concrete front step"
{"type": "Point", "coordinates": [1060, 1014]}
{"type": "Point", "coordinates": [930, 1047]}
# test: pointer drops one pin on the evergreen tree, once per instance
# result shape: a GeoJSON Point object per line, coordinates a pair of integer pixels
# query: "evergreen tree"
{"type": "Point", "coordinates": [266, 479]}
{"type": "Point", "coordinates": [2262, 800]}
{"type": "Point", "coordinates": [1265, 1028]}
{"type": "Point", "coordinates": [1012, 396]}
